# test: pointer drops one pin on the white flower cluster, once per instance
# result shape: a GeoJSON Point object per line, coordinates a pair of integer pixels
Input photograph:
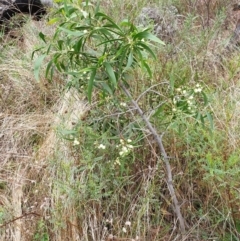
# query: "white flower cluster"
{"type": "Point", "coordinates": [76, 142]}
{"type": "Point", "coordinates": [123, 104]}
{"type": "Point", "coordinates": [101, 146]}
{"type": "Point", "coordinates": [125, 147]}
{"type": "Point", "coordinates": [190, 102]}
{"type": "Point", "coordinates": [188, 96]}
{"type": "Point", "coordinates": [198, 88]}
{"type": "Point", "coordinates": [126, 225]}
{"type": "Point", "coordinates": [117, 162]}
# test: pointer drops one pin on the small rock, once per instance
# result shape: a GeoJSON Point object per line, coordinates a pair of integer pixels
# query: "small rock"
{"type": "Point", "coordinates": [164, 21]}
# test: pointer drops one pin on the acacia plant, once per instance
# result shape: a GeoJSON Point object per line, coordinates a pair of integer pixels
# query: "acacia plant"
{"type": "Point", "coordinates": [94, 52]}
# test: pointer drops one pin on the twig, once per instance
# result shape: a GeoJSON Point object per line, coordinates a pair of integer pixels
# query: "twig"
{"type": "Point", "coordinates": [165, 158]}
{"type": "Point", "coordinates": [15, 219]}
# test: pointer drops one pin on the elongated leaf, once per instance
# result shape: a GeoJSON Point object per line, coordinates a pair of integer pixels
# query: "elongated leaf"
{"type": "Point", "coordinates": [37, 66]}
{"type": "Point", "coordinates": [113, 30]}
{"type": "Point", "coordinates": [125, 23]}
{"type": "Point", "coordinates": [102, 30]}
{"type": "Point", "coordinates": [72, 33]}
{"type": "Point", "coordinates": [109, 41]}
{"type": "Point", "coordinates": [111, 74]}
{"type": "Point", "coordinates": [198, 116]}
{"type": "Point", "coordinates": [88, 69]}
{"type": "Point", "coordinates": [67, 134]}
{"type": "Point", "coordinates": [56, 62]}
{"type": "Point", "coordinates": [205, 98]}
{"type": "Point", "coordinates": [144, 63]}
{"type": "Point", "coordinates": [99, 14]}
{"type": "Point", "coordinates": [130, 61]}
{"type": "Point", "coordinates": [122, 53]}
{"type": "Point", "coordinates": [79, 45]}
{"type": "Point", "coordinates": [66, 12]}
{"type": "Point", "coordinates": [53, 21]}
{"type": "Point", "coordinates": [107, 88]}
{"type": "Point", "coordinates": [90, 84]}
{"type": "Point", "coordinates": [146, 35]}
{"type": "Point", "coordinates": [42, 36]}
{"type": "Point", "coordinates": [159, 110]}
{"type": "Point", "coordinates": [210, 119]}
{"type": "Point", "coordinates": [48, 49]}
{"type": "Point", "coordinates": [60, 44]}
{"type": "Point", "coordinates": [139, 53]}
{"type": "Point", "coordinates": [36, 50]}
{"type": "Point", "coordinates": [97, 7]}
{"type": "Point", "coordinates": [49, 67]}
{"type": "Point", "coordinates": [143, 45]}
{"type": "Point", "coordinates": [238, 225]}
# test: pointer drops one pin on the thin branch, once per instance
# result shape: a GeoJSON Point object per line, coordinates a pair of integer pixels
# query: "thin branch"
{"type": "Point", "coordinates": [15, 219]}
{"type": "Point", "coordinates": [165, 158]}
{"type": "Point", "coordinates": [150, 90]}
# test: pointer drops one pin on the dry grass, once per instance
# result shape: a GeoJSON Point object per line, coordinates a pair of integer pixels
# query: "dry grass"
{"type": "Point", "coordinates": [30, 112]}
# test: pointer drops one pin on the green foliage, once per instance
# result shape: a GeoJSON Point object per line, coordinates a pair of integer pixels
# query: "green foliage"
{"type": "Point", "coordinates": [41, 233]}
{"type": "Point", "coordinates": [182, 105]}
{"type": "Point", "coordinates": [3, 215]}
{"type": "Point", "coordinates": [93, 50]}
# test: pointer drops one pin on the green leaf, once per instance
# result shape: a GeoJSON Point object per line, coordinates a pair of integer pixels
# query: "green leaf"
{"type": "Point", "coordinates": [159, 111]}
{"type": "Point", "coordinates": [198, 116]}
{"type": "Point", "coordinates": [79, 45]}
{"type": "Point", "coordinates": [210, 119]}
{"type": "Point", "coordinates": [106, 87]}
{"type": "Point", "coordinates": [90, 84]}
{"type": "Point", "coordinates": [42, 36]}
{"type": "Point", "coordinates": [238, 225]}
{"type": "Point", "coordinates": [97, 7]}
{"type": "Point", "coordinates": [36, 50]}
{"type": "Point", "coordinates": [49, 67]}
{"type": "Point", "coordinates": [67, 134]}
{"type": "Point", "coordinates": [48, 49]}
{"type": "Point", "coordinates": [111, 74]}
{"type": "Point", "coordinates": [103, 31]}
{"type": "Point", "coordinates": [99, 14]}
{"type": "Point", "coordinates": [65, 10]}
{"type": "Point", "coordinates": [143, 45]}
{"type": "Point", "coordinates": [121, 56]}
{"type": "Point", "coordinates": [130, 61]}
{"type": "Point", "coordinates": [60, 44]}
{"type": "Point", "coordinates": [125, 23]}
{"type": "Point", "coordinates": [72, 33]}
{"type": "Point", "coordinates": [205, 98]}
{"type": "Point", "coordinates": [146, 35]}
{"type": "Point", "coordinates": [56, 61]}
{"type": "Point", "coordinates": [144, 63]}
{"type": "Point", "coordinates": [37, 66]}
{"type": "Point", "coordinates": [53, 21]}
{"type": "Point", "coordinates": [122, 51]}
